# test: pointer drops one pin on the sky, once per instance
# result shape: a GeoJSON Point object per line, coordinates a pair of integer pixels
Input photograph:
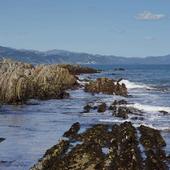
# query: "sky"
{"type": "Point", "coordinates": [131, 28]}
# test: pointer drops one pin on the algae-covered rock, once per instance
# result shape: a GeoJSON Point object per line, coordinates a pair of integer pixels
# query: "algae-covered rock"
{"type": "Point", "coordinates": [104, 147]}
{"type": "Point", "coordinates": [106, 86]}
{"type": "Point", "coordinates": [154, 144]}
{"type": "Point", "coordinates": [52, 155]}
{"type": "Point", "coordinates": [102, 107]}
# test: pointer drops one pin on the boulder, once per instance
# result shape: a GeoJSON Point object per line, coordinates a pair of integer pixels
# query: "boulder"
{"type": "Point", "coordinates": [106, 86]}
{"type": "Point", "coordinates": [2, 139]}
{"type": "Point", "coordinates": [102, 107]}
{"type": "Point", "coordinates": [87, 108]}
{"type": "Point", "coordinates": [119, 69]}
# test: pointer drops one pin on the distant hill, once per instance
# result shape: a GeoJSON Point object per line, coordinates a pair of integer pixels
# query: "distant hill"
{"type": "Point", "coordinates": [61, 56]}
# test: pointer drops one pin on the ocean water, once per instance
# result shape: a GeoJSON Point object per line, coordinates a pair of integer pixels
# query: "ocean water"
{"type": "Point", "coordinates": [31, 129]}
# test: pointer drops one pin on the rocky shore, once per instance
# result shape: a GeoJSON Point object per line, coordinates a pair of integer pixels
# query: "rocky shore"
{"type": "Point", "coordinates": [21, 81]}
{"type": "Point", "coordinates": [104, 147]}
{"type": "Point", "coordinates": [106, 86]}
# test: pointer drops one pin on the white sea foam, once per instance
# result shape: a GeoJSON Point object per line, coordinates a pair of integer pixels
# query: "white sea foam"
{"type": "Point", "coordinates": [149, 108]}
{"type": "Point", "coordinates": [82, 82]}
{"type": "Point", "coordinates": [133, 85]}
{"type": "Point", "coordinates": [112, 120]}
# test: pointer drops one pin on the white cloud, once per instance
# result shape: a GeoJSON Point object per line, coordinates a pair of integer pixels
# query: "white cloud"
{"type": "Point", "coordinates": [147, 15]}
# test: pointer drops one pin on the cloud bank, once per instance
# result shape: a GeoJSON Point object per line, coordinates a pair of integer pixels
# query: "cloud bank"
{"type": "Point", "coordinates": [147, 15]}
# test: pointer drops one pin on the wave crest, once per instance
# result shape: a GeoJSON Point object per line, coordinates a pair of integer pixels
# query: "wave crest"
{"type": "Point", "coordinates": [133, 85]}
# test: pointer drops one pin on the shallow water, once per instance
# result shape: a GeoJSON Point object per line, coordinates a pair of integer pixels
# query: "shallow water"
{"type": "Point", "coordinates": [31, 129]}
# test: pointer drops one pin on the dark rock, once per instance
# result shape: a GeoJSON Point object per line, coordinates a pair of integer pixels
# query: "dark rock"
{"type": "Point", "coordinates": [119, 80]}
{"type": "Point", "coordinates": [120, 109]}
{"type": "Point", "coordinates": [121, 112]}
{"type": "Point", "coordinates": [77, 69]}
{"type": "Point", "coordinates": [119, 69]}
{"type": "Point", "coordinates": [153, 143]}
{"type": "Point", "coordinates": [137, 118]}
{"type": "Point", "coordinates": [119, 102]}
{"type": "Point", "coordinates": [98, 133]}
{"type": "Point", "coordinates": [163, 112]}
{"type": "Point", "coordinates": [87, 108]}
{"type": "Point", "coordinates": [2, 139]}
{"type": "Point", "coordinates": [53, 155]}
{"type": "Point", "coordinates": [151, 138]}
{"type": "Point", "coordinates": [106, 86]}
{"type": "Point", "coordinates": [72, 132]}
{"type": "Point", "coordinates": [120, 141]}
{"type": "Point", "coordinates": [102, 107]}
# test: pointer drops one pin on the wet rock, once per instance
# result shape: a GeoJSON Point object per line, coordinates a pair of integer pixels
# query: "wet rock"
{"type": "Point", "coordinates": [119, 69]}
{"type": "Point", "coordinates": [119, 109]}
{"type": "Point", "coordinates": [20, 82]}
{"type": "Point", "coordinates": [98, 133]}
{"type": "Point", "coordinates": [106, 86]}
{"type": "Point", "coordinates": [6, 163]}
{"type": "Point", "coordinates": [153, 142]}
{"type": "Point", "coordinates": [72, 132]}
{"type": "Point", "coordinates": [163, 112]}
{"type": "Point", "coordinates": [119, 80]}
{"type": "Point", "coordinates": [2, 139]}
{"type": "Point", "coordinates": [53, 155]}
{"type": "Point", "coordinates": [117, 103]}
{"type": "Point", "coordinates": [121, 112]}
{"type": "Point", "coordinates": [87, 108]}
{"type": "Point", "coordinates": [120, 141]}
{"type": "Point", "coordinates": [77, 69]}
{"type": "Point", "coordinates": [137, 118]}
{"type": "Point", "coordinates": [151, 138]}
{"type": "Point", "coordinates": [102, 107]}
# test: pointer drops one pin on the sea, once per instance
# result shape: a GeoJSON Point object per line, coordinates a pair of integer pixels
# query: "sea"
{"type": "Point", "coordinates": [30, 129]}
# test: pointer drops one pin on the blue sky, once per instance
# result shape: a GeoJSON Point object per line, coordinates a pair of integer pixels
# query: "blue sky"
{"type": "Point", "coordinates": [125, 27]}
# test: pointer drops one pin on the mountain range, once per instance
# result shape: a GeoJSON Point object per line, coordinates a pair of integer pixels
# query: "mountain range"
{"type": "Point", "coordinates": [62, 56]}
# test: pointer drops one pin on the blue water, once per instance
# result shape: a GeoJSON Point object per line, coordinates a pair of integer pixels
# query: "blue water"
{"type": "Point", "coordinates": [31, 129]}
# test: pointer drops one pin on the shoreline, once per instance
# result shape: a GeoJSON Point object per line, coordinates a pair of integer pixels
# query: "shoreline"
{"type": "Point", "coordinates": [93, 110]}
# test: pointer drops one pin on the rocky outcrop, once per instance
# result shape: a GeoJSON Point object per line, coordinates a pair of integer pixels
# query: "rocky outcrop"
{"type": "Point", "coordinates": [106, 86]}
{"type": "Point", "coordinates": [21, 81]}
{"type": "Point", "coordinates": [15, 81]}
{"type": "Point", "coordinates": [2, 139]}
{"type": "Point", "coordinates": [119, 69]}
{"type": "Point", "coordinates": [153, 143]}
{"type": "Point", "coordinates": [102, 107]}
{"type": "Point", "coordinates": [118, 109]}
{"type": "Point", "coordinates": [77, 69]}
{"type": "Point", "coordinates": [105, 147]}
{"type": "Point", "coordinates": [50, 81]}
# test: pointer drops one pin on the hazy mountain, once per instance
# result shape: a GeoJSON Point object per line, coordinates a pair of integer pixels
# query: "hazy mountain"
{"type": "Point", "coordinates": [61, 56]}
